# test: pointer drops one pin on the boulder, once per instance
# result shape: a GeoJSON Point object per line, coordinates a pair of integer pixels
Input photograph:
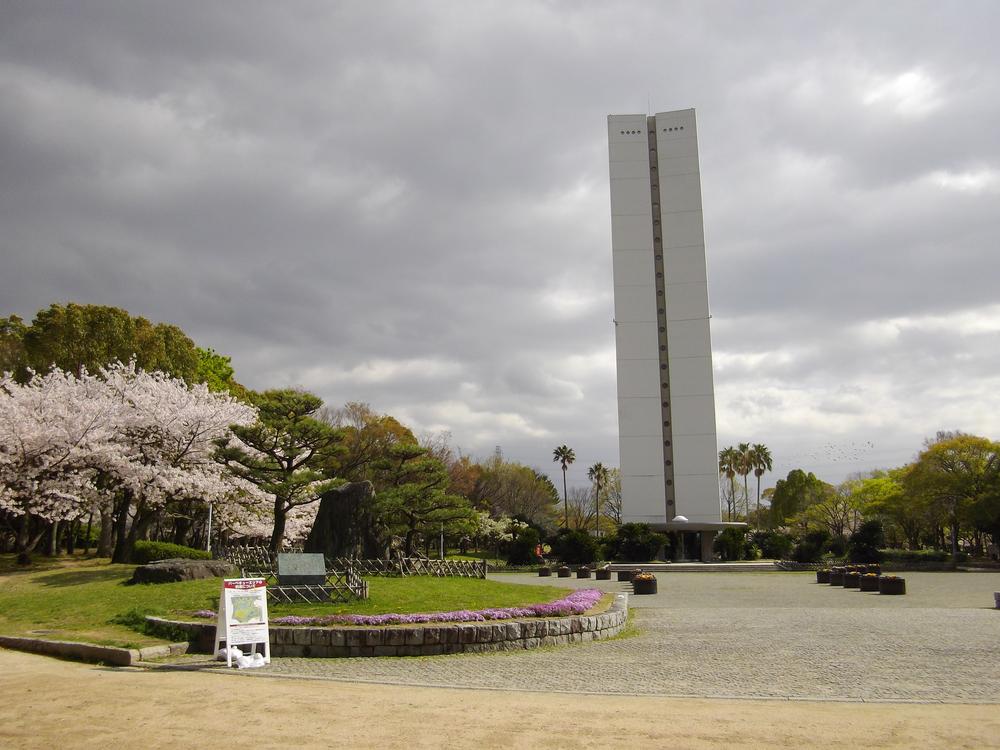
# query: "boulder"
{"type": "Point", "coordinates": [179, 569]}
{"type": "Point", "coordinates": [344, 524]}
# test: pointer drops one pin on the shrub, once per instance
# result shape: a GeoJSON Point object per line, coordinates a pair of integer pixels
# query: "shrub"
{"type": "Point", "coordinates": [837, 546]}
{"type": "Point", "coordinates": [916, 555]}
{"type": "Point", "coordinates": [730, 544]}
{"type": "Point", "coordinates": [863, 546]}
{"type": "Point", "coordinates": [521, 551]}
{"type": "Point", "coordinates": [810, 547]}
{"type": "Point", "coordinates": [575, 546]}
{"type": "Point", "coordinates": [773, 545]}
{"type": "Point", "coordinates": [146, 552]}
{"type": "Point", "coordinates": [635, 542]}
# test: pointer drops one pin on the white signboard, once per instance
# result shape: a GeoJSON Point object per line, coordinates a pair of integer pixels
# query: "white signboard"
{"type": "Point", "coordinates": [242, 618]}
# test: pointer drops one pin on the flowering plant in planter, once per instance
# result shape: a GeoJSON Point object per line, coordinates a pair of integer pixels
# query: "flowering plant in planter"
{"type": "Point", "coordinates": [644, 583]}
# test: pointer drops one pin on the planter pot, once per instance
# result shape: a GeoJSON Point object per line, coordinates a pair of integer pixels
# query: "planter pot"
{"type": "Point", "coordinates": [544, 572]}
{"type": "Point", "coordinates": [892, 585]}
{"type": "Point", "coordinates": [564, 572]}
{"type": "Point", "coordinates": [644, 587]}
{"type": "Point", "coordinates": [996, 598]}
{"type": "Point", "coordinates": [583, 572]}
{"type": "Point", "coordinates": [836, 578]}
{"type": "Point", "coordinates": [602, 575]}
{"type": "Point", "coordinates": [851, 579]}
{"type": "Point", "coordinates": [822, 576]}
{"type": "Point", "coordinates": [625, 575]}
{"type": "Point", "coordinates": [867, 583]}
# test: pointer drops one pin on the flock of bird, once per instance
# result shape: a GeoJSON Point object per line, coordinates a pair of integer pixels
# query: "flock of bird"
{"type": "Point", "coordinates": [836, 453]}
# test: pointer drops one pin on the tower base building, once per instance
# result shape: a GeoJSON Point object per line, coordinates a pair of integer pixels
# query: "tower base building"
{"type": "Point", "coordinates": [666, 397]}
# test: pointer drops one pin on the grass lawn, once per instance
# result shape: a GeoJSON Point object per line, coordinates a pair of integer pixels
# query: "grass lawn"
{"type": "Point", "coordinates": [87, 600]}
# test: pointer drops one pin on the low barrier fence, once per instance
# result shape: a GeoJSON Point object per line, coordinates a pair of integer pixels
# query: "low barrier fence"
{"type": "Point", "coordinates": [260, 560]}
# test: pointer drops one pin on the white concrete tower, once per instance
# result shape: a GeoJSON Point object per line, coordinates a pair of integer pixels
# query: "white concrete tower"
{"type": "Point", "coordinates": [666, 401]}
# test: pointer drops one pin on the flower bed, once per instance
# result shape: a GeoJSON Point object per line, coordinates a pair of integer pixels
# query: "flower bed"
{"type": "Point", "coordinates": [575, 604]}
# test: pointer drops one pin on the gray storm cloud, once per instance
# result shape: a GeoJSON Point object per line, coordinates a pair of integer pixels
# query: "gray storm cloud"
{"type": "Point", "coordinates": [407, 204]}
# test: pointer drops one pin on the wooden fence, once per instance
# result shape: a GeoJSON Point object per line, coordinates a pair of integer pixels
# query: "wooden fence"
{"type": "Point", "coordinates": [261, 559]}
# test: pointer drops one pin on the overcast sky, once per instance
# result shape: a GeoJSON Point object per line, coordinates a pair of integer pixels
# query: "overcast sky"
{"type": "Point", "coordinates": [406, 203]}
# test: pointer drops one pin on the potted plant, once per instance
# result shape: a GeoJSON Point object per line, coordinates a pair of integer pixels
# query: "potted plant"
{"type": "Point", "coordinates": [563, 571]}
{"type": "Point", "coordinates": [583, 571]}
{"type": "Point", "coordinates": [644, 583]}
{"type": "Point", "coordinates": [603, 573]}
{"type": "Point", "coordinates": [851, 579]}
{"type": "Point", "coordinates": [891, 585]}
{"type": "Point", "coordinates": [836, 576]}
{"type": "Point", "coordinates": [868, 582]}
{"type": "Point", "coordinates": [823, 575]}
{"type": "Point", "coordinates": [544, 571]}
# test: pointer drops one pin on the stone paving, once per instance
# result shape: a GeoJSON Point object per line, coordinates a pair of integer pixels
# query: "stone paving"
{"type": "Point", "coordinates": [745, 635]}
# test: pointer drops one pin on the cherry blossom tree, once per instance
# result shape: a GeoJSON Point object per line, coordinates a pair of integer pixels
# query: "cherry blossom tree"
{"type": "Point", "coordinates": [123, 436]}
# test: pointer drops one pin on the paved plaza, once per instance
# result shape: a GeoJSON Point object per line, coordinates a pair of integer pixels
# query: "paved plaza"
{"type": "Point", "coordinates": [743, 635]}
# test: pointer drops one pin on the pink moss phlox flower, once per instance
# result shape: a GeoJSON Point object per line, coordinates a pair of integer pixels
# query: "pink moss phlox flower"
{"type": "Point", "coordinates": [206, 613]}
{"type": "Point", "coordinates": [575, 604]}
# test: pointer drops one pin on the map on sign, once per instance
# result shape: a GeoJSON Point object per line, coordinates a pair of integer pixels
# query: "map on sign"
{"type": "Point", "coordinates": [247, 609]}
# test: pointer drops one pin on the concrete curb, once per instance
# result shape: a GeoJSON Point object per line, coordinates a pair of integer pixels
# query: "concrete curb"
{"type": "Point", "coordinates": [88, 652]}
{"type": "Point", "coordinates": [429, 639]}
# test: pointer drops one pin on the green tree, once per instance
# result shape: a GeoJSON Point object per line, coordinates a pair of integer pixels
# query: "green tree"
{"type": "Point", "coordinates": [794, 494]}
{"type": "Point", "coordinates": [13, 357]}
{"type": "Point", "coordinates": [598, 474]}
{"type": "Point", "coordinates": [744, 465]}
{"type": "Point", "coordinates": [957, 474]}
{"type": "Point", "coordinates": [512, 489]}
{"type": "Point", "coordinates": [760, 462]}
{"type": "Point", "coordinates": [565, 456]}
{"type": "Point", "coordinates": [216, 371]}
{"type": "Point", "coordinates": [368, 438]}
{"type": "Point", "coordinates": [413, 495]}
{"type": "Point", "coordinates": [72, 336]}
{"type": "Point", "coordinates": [284, 453]}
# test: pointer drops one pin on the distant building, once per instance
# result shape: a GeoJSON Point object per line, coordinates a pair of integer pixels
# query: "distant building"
{"type": "Point", "coordinates": [666, 396]}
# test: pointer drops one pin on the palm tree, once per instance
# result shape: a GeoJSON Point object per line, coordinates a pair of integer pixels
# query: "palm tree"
{"type": "Point", "coordinates": [565, 455]}
{"type": "Point", "coordinates": [728, 461]}
{"type": "Point", "coordinates": [598, 474]}
{"type": "Point", "coordinates": [743, 468]}
{"type": "Point", "coordinates": [760, 460]}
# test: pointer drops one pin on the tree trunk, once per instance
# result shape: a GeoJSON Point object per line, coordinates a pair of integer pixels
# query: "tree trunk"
{"type": "Point", "coordinates": [565, 501]}
{"type": "Point", "coordinates": [758, 501]}
{"type": "Point", "coordinates": [278, 533]}
{"type": "Point", "coordinates": [86, 539]}
{"type": "Point", "coordinates": [181, 528]}
{"type": "Point", "coordinates": [104, 542]}
{"type": "Point", "coordinates": [28, 537]}
{"type": "Point", "coordinates": [122, 554]}
{"type": "Point", "coordinates": [71, 530]}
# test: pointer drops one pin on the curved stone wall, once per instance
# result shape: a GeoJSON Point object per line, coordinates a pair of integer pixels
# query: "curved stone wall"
{"type": "Point", "coordinates": [421, 640]}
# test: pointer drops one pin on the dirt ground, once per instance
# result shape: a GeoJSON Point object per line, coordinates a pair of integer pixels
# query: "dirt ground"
{"type": "Point", "coordinates": [49, 703]}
